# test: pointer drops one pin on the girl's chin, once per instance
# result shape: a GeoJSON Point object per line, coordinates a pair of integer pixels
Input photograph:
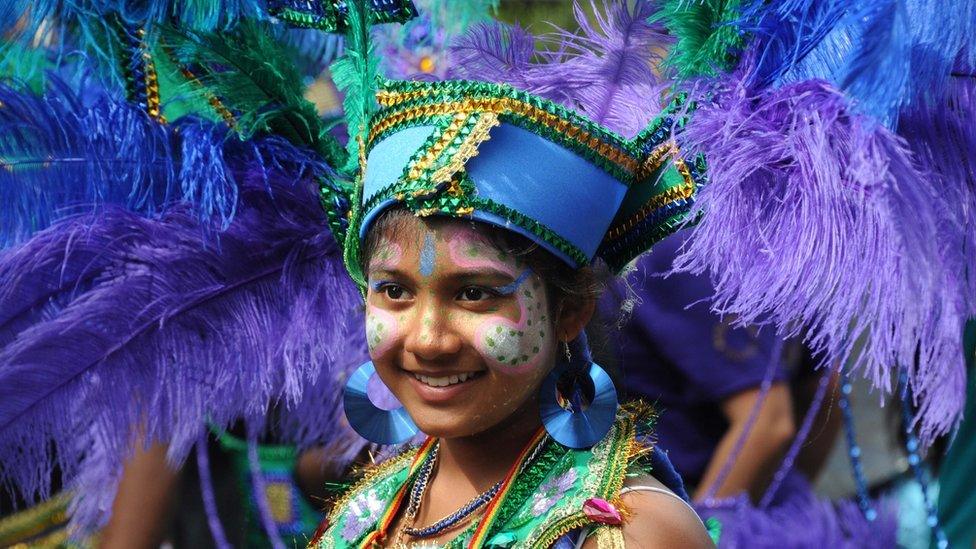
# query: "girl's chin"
{"type": "Point", "coordinates": [448, 427]}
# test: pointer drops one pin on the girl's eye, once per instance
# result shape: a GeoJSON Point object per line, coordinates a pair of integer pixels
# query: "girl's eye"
{"type": "Point", "coordinates": [394, 292]}
{"type": "Point", "coordinates": [475, 294]}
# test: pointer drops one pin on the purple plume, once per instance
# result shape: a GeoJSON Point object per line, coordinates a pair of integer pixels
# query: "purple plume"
{"type": "Point", "coordinates": [604, 71]}
{"type": "Point", "coordinates": [818, 218]}
{"type": "Point", "coordinates": [493, 52]}
{"type": "Point", "coordinates": [170, 330]}
{"type": "Point", "coordinates": [801, 520]}
{"type": "Point", "coordinates": [610, 65]}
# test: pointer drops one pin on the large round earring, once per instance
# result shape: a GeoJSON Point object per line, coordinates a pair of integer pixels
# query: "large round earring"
{"type": "Point", "coordinates": [371, 422]}
{"type": "Point", "coordinates": [571, 423]}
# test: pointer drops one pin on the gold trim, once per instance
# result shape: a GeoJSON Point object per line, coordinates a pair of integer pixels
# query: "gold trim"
{"type": "Point", "coordinates": [507, 105]}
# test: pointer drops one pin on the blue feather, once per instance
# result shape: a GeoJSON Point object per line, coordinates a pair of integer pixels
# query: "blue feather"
{"type": "Point", "coordinates": [73, 150]}
{"type": "Point", "coordinates": [885, 55]}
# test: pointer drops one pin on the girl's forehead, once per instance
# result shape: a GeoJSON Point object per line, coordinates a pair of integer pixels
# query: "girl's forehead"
{"type": "Point", "coordinates": [411, 234]}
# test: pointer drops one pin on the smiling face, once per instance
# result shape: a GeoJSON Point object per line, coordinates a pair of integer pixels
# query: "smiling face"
{"type": "Point", "coordinates": [460, 331]}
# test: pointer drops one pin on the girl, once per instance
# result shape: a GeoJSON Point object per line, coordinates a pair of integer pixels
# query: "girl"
{"type": "Point", "coordinates": [464, 323]}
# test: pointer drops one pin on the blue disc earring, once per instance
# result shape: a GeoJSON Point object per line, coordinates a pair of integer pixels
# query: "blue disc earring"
{"type": "Point", "coordinates": [571, 423]}
{"type": "Point", "coordinates": [371, 422]}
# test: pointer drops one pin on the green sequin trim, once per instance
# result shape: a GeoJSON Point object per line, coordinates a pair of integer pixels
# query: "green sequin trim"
{"type": "Point", "coordinates": [331, 20]}
{"type": "Point", "coordinates": [533, 226]}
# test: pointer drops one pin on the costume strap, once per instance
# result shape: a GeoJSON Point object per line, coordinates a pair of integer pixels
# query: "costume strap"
{"type": "Point", "coordinates": [386, 519]}
{"type": "Point", "coordinates": [491, 512]}
{"type": "Point", "coordinates": [609, 537]}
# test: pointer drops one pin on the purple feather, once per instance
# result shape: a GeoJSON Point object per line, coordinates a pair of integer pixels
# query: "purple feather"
{"type": "Point", "coordinates": [609, 73]}
{"type": "Point", "coordinates": [174, 331]}
{"type": "Point", "coordinates": [493, 52]}
{"type": "Point", "coordinates": [800, 520]}
{"type": "Point", "coordinates": [604, 71]}
{"type": "Point", "coordinates": [817, 218]}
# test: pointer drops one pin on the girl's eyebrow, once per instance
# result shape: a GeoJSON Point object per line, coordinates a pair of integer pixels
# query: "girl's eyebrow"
{"type": "Point", "coordinates": [511, 287]}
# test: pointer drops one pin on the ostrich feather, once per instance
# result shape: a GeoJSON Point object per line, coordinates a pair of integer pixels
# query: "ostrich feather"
{"type": "Point", "coordinates": [817, 217]}
{"type": "Point", "coordinates": [250, 72]}
{"type": "Point", "coordinates": [188, 330]}
{"type": "Point", "coordinates": [707, 38]}
{"type": "Point", "coordinates": [355, 75]}
{"type": "Point", "coordinates": [609, 65]}
{"type": "Point", "coordinates": [801, 520]}
{"type": "Point", "coordinates": [603, 71]}
{"type": "Point", "coordinates": [493, 52]}
{"type": "Point", "coordinates": [77, 148]}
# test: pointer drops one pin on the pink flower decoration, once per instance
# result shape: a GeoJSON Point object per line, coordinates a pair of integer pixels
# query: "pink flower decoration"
{"type": "Point", "coordinates": [602, 511]}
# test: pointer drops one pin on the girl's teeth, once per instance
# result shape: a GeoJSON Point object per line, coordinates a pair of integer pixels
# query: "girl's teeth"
{"type": "Point", "coordinates": [444, 381]}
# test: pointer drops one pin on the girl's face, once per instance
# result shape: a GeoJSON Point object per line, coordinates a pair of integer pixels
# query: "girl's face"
{"type": "Point", "coordinates": [460, 331]}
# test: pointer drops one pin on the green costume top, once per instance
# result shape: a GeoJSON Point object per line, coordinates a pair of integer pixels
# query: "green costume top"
{"type": "Point", "coordinates": [558, 490]}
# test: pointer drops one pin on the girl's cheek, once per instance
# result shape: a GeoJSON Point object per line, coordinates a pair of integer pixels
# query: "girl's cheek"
{"type": "Point", "coordinates": [517, 347]}
{"type": "Point", "coordinates": [382, 330]}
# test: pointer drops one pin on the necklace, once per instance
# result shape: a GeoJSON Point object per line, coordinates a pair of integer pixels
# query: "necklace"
{"type": "Point", "coordinates": [417, 492]}
{"type": "Point", "coordinates": [419, 488]}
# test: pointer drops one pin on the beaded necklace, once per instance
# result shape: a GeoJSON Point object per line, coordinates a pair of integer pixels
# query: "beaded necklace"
{"type": "Point", "coordinates": [422, 481]}
{"type": "Point", "coordinates": [417, 494]}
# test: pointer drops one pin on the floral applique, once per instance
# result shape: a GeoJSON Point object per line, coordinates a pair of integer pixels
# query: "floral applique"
{"type": "Point", "coordinates": [552, 491]}
{"type": "Point", "coordinates": [363, 511]}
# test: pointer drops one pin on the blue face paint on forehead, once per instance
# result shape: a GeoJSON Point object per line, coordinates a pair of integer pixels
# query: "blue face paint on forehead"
{"type": "Point", "coordinates": [428, 255]}
{"type": "Point", "coordinates": [510, 288]}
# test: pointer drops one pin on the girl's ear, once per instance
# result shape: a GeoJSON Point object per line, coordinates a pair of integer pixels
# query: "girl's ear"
{"type": "Point", "coordinates": [574, 315]}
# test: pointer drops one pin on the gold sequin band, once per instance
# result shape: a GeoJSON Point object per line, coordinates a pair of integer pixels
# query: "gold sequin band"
{"type": "Point", "coordinates": [503, 106]}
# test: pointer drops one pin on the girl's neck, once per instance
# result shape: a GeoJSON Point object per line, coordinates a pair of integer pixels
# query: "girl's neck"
{"type": "Point", "coordinates": [485, 458]}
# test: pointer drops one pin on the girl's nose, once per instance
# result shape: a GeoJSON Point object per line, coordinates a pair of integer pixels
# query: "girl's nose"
{"type": "Point", "coordinates": [431, 334]}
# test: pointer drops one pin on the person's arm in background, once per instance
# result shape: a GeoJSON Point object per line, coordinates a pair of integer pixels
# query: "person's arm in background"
{"type": "Point", "coordinates": [764, 445]}
{"type": "Point", "coordinates": [143, 503]}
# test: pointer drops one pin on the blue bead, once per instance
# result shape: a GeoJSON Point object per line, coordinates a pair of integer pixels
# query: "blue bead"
{"type": "Point", "coordinates": [913, 460]}
{"type": "Point", "coordinates": [871, 514]}
{"type": "Point", "coordinates": [855, 451]}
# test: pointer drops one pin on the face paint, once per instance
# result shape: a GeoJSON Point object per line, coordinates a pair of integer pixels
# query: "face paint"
{"type": "Point", "coordinates": [504, 344]}
{"type": "Point", "coordinates": [382, 328]}
{"type": "Point", "coordinates": [387, 255]}
{"type": "Point", "coordinates": [517, 346]}
{"type": "Point", "coordinates": [428, 255]}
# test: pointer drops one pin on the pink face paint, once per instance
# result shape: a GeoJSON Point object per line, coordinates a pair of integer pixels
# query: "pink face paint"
{"type": "Point", "coordinates": [382, 328]}
{"type": "Point", "coordinates": [518, 346]}
{"type": "Point", "coordinates": [506, 345]}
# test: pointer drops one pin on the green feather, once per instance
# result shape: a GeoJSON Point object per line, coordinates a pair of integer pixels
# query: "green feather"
{"type": "Point", "coordinates": [24, 65]}
{"type": "Point", "coordinates": [355, 74]}
{"type": "Point", "coordinates": [255, 81]}
{"type": "Point", "coordinates": [706, 36]}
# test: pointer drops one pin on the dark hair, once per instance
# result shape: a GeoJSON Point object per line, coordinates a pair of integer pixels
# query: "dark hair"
{"type": "Point", "coordinates": [562, 281]}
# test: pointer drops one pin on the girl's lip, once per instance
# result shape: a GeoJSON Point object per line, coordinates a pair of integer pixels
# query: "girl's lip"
{"type": "Point", "coordinates": [440, 395]}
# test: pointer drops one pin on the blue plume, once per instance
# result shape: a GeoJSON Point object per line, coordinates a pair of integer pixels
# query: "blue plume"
{"type": "Point", "coordinates": [70, 151]}
{"type": "Point", "coordinates": [884, 54]}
